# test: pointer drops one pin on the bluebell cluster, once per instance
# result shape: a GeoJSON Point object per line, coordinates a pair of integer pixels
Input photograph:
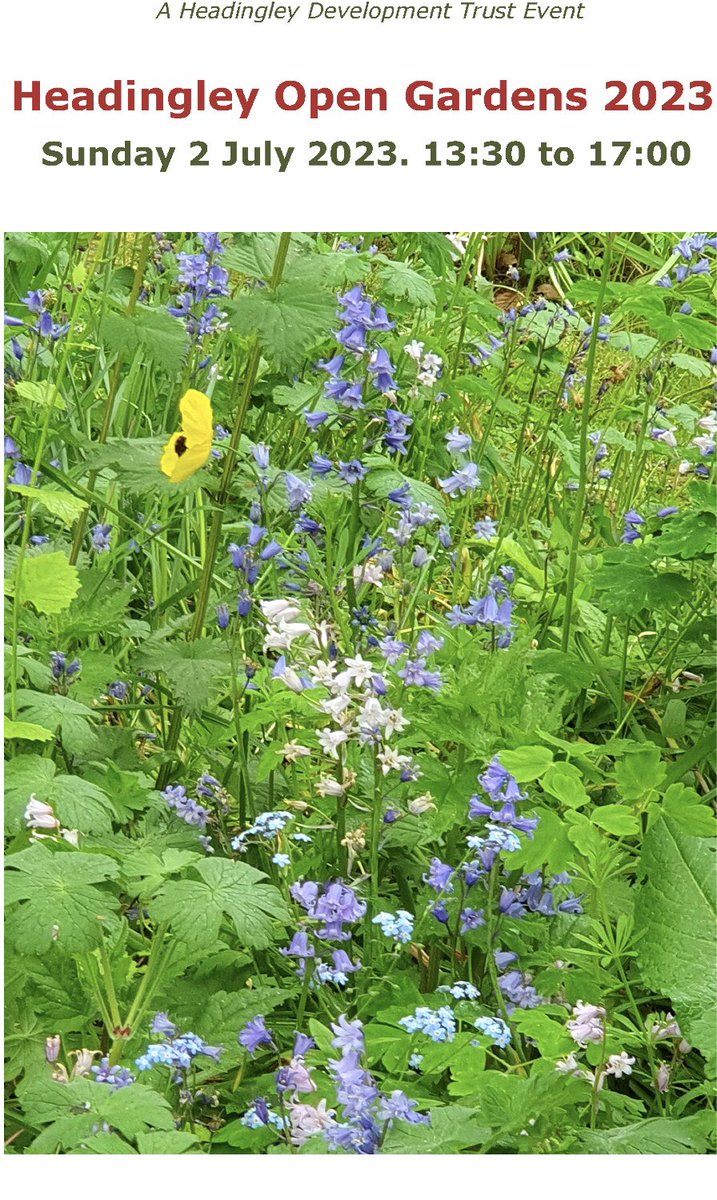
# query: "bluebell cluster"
{"type": "Point", "coordinates": [203, 279]}
{"type": "Point", "coordinates": [177, 1051]}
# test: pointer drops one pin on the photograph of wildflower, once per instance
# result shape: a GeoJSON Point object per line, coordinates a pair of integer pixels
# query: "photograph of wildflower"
{"type": "Point", "coordinates": [360, 758]}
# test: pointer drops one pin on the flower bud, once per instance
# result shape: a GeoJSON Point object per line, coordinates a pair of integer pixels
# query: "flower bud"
{"type": "Point", "coordinates": [52, 1047]}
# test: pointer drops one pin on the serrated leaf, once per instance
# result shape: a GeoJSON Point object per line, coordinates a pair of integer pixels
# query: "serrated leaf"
{"type": "Point", "coordinates": [192, 668]}
{"type": "Point", "coordinates": [196, 908]}
{"type": "Point", "coordinates": [656, 1135]}
{"type": "Point", "coordinates": [564, 781]}
{"type": "Point", "coordinates": [53, 899]}
{"type": "Point", "coordinates": [49, 582]}
{"type": "Point", "coordinates": [72, 720]}
{"type": "Point", "coordinates": [627, 588]}
{"type": "Point", "coordinates": [62, 505]}
{"type": "Point", "coordinates": [676, 927]}
{"type": "Point", "coordinates": [288, 322]}
{"type": "Point", "coordinates": [400, 282]}
{"type": "Point", "coordinates": [452, 1129]}
{"type": "Point", "coordinates": [688, 811]}
{"type": "Point", "coordinates": [160, 337]}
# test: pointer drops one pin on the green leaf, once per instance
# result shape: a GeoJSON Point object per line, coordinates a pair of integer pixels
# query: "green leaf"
{"type": "Point", "coordinates": [674, 719]}
{"type": "Point", "coordinates": [78, 803]}
{"type": "Point", "coordinates": [73, 721]}
{"type": "Point", "coordinates": [400, 282]}
{"type": "Point", "coordinates": [639, 773]}
{"type": "Point", "coordinates": [689, 811]}
{"type": "Point", "coordinates": [452, 1129]}
{"type": "Point", "coordinates": [564, 781]}
{"type": "Point", "coordinates": [616, 819]}
{"type": "Point", "coordinates": [58, 503]}
{"type": "Point", "coordinates": [676, 927]}
{"type": "Point", "coordinates": [75, 1111]}
{"type": "Point", "coordinates": [166, 1141]}
{"type": "Point", "coordinates": [192, 668]}
{"type": "Point", "coordinates": [568, 668]}
{"type": "Point", "coordinates": [53, 899]}
{"type": "Point", "coordinates": [656, 1135]}
{"type": "Point", "coordinates": [196, 908]}
{"type": "Point", "coordinates": [41, 393]}
{"type": "Point", "coordinates": [527, 762]}
{"type": "Point", "coordinates": [689, 536]}
{"type": "Point", "coordinates": [48, 581]}
{"type": "Point", "coordinates": [627, 588]}
{"type": "Point", "coordinates": [288, 322]}
{"type": "Point", "coordinates": [156, 334]}
{"type": "Point", "coordinates": [26, 731]}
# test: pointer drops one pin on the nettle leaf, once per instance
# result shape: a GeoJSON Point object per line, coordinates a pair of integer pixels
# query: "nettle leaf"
{"type": "Point", "coordinates": [400, 282]}
{"type": "Point", "coordinates": [192, 668]}
{"type": "Point", "coordinates": [197, 908]}
{"type": "Point", "coordinates": [58, 503]}
{"type": "Point", "coordinates": [159, 336]}
{"type": "Point", "coordinates": [288, 321]}
{"type": "Point", "coordinates": [676, 926]}
{"type": "Point", "coordinates": [78, 803]}
{"type": "Point", "coordinates": [53, 899]}
{"type": "Point", "coordinates": [49, 582]}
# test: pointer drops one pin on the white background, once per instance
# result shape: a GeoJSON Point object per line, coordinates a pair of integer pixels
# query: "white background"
{"type": "Point", "coordinates": [92, 42]}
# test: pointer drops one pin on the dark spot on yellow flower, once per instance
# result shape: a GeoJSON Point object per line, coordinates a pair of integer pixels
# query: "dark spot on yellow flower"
{"type": "Point", "coordinates": [180, 445]}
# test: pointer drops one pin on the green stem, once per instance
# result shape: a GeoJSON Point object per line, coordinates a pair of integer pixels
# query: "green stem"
{"type": "Point", "coordinates": [584, 448]}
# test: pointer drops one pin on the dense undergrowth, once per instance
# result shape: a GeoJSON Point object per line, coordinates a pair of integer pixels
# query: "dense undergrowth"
{"type": "Point", "coordinates": [360, 760]}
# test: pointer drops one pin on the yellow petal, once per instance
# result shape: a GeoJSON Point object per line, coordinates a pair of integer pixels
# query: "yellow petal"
{"type": "Point", "coordinates": [169, 458]}
{"type": "Point", "coordinates": [186, 464]}
{"type": "Point", "coordinates": [197, 418]}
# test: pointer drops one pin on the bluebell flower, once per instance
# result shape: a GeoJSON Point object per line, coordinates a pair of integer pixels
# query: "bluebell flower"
{"type": "Point", "coordinates": [461, 481]}
{"type": "Point", "coordinates": [472, 918]}
{"type": "Point", "coordinates": [486, 528]}
{"type": "Point", "coordinates": [222, 616]}
{"type": "Point", "coordinates": [457, 442]}
{"type": "Point", "coordinates": [315, 419]}
{"type": "Point", "coordinates": [255, 1034]}
{"type": "Point", "coordinates": [399, 1107]}
{"type": "Point", "coordinates": [353, 471]}
{"type": "Point", "coordinates": [185, 807]}
{"type": "Point", "coordinates": [320, 465]}
{"type": "Point", "coordinates": [22, 475]}
{"type": "Point", "coordinates": [115, 1076]}
{"type": "Point", "coordinates": [118, 690]}
{"type": "Point", "coordinates": [298, 492]}
{"type": "Point", "coordinates": [414, 674]}
{"type": "Point", "coordinates": [439, 876]}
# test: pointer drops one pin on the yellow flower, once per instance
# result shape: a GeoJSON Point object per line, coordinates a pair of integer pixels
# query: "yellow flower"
{"type": "Point", "coordinates": [189, 449]}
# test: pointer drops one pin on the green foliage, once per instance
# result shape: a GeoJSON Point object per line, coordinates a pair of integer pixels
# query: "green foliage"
{"type": "Point", "coordinates": [196, 908]}
{"type": "Point", "coordinates": [54, 900]}
{"type": "Point", "coordinates": [676, 922]}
